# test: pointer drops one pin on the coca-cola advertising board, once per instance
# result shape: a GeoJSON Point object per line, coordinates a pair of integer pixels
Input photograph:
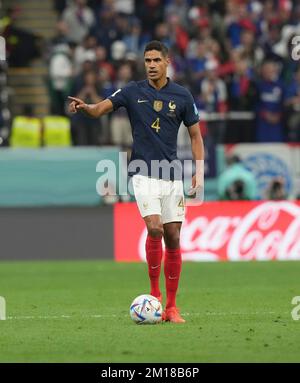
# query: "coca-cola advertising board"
{"type": "Point", "coordinates": [219, 231]}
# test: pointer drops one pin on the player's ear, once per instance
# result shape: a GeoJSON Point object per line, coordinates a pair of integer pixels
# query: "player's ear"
{"type": "Point", "coordinates": [168, 60]}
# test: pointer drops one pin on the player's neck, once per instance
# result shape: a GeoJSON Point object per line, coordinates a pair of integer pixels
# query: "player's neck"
{"type": "Point", "coordinates": [160, 83]}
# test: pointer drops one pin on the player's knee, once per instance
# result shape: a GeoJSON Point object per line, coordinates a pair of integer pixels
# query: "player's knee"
{"type": "Point", "coordinates": [172, 240]}
{"type": "Point", "coordinates": [155, 230]}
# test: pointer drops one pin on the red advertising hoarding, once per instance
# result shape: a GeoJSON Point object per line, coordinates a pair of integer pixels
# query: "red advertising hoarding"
{"type": "Point", "coordinates": [219, 231]}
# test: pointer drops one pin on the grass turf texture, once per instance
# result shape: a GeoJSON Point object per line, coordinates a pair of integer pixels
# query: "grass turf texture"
{"type": "Point", "coordinates": [235, 312]}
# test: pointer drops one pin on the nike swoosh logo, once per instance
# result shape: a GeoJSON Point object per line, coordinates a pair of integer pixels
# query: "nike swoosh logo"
{"type": "Point", "coordinates": [173, 278]}
{"type": "Point", "coordinates": [139, 101]}
{"type": "Point", "coordinates": [155, 267]}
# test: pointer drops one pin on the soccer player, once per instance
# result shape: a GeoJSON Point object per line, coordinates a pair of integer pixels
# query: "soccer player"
{"type": "Point", "coordinates": [156, 108]}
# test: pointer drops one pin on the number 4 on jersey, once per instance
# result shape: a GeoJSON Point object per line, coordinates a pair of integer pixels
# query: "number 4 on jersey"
{"type": "Point", "coordinates": [156, 125]}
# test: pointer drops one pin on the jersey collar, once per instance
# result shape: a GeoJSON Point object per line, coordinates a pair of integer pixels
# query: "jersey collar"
{"type": "Point", "coordinates": [165, 86]}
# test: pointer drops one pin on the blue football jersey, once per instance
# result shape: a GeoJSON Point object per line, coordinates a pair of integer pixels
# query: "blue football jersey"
{"type": "Point", "coordinates": [155, 117]}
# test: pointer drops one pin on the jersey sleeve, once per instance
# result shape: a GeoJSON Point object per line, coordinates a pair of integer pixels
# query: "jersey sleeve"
{"type": "Point", "coordinates": [190, 113]}
{"type": "Point", "coordinates": [120, 97]}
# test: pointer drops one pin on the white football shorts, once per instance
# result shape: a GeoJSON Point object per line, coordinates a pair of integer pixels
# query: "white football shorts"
{"type": "Point", "coordinates": [156, 196]}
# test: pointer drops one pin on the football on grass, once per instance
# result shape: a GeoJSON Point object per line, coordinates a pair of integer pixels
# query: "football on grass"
{"type": "Point", "coordinates": [146, 309]}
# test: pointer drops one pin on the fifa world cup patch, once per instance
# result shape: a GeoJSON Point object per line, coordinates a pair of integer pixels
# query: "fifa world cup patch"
{"type": "Point", "coordinates": [158, 105]}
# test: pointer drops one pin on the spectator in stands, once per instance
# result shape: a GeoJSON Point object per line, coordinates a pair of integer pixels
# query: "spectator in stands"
{"type": "Point", "coordinates": [236, 182]}
{"type": "Point", "coordinates": [178, 34]}
{"type": "Point", "coordinates": [270, 41]}
{"type": "Point", "coordinates": [197, 64]}
{"type": "Point", "coordinates": [214, 100]}
{"type": "Point", "coordinates": [105, 29]}
{"type": "Point", "coordinates": [292, 103]}
{"type": "Point", "coordinates": [178, 68]}
{"type": "Point", "coordinates": [60, 78]}
{"type": "Point", "coordinates": [150, 13]}
{"type": "Point", "coordinates": [120, 125]}
{"type": "Point", "coordinates": [135, 40]}
{"type": "Point", "coordinates": [236, 21]}
{"type": "Point", "coordinates": [270, 90]}
{"type": "Point", "coordinates": [236, 191]}
{"type": "Point", "coordinates": [22, 46]}
{"type": "Point", "coordinates": [118, 52]}
{"type": "Point", "coordinates": [89, 65]}
{"type": "Point", "coordinates": [79, 18]}
{"type": "Point", "coordinates": [242, 98]}
{"type": "Point", "coordinates": [61, 34]}
{"type": "Point", "coordinates": [199, 22]}
{"type": "Point", "coordinates": [88, 131]}
{"type": "Point", "coordinates": [106, 82]}
{"type": "Point", "coordinates": [102, 63]}
{"type": "Point", "coordinates": [126, 7]}
{"type": "Point", "coordinates": [84, 52]}
{"type": "Point", "coordinates": [249, 48]}
{"type": "Point", "coordinates": [178, 7]}
{"type": "Point", "coordinates": [162, 33]}
{"type": "Point", "coordinates": [276, 190]}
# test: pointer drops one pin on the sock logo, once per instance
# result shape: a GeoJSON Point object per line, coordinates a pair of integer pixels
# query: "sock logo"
{"type": "Point", "coordinates": [154, 267]}
{"type": "Point", "coordinates": [173, 277]}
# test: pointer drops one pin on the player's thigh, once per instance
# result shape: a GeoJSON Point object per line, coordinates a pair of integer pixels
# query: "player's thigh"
{"type": "Point", "coordinates": [173, 209]}
{"type": "Point", "coordinates": [147, 195]}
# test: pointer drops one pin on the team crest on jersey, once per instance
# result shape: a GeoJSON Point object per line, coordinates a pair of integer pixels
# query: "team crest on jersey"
{"type": "Point", "coordinates": [157, 105]}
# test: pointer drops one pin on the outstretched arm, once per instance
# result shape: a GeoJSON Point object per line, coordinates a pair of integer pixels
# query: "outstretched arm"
{"type": "Point", "coordinates": [91, 110]}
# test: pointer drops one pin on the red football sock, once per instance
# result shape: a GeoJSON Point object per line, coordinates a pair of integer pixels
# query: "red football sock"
{"type": "Point", "coordinates": [154, 256]}
{"type": "Point", "coordinates": [172, 268]}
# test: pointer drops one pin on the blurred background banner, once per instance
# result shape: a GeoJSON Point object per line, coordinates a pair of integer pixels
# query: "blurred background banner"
{"type": "Point", "coordinates": [266, 162]}
{"type": "Point", "coordinates": [220, 231]}
{"type": "Point", "coordinates": [52, 177]}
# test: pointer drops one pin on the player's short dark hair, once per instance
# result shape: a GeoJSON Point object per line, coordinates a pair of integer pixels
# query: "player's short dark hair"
{"type": "Point", "coordinates": [156, 45]}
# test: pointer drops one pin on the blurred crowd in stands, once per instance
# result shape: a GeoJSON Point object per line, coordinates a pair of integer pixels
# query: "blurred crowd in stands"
{"type": "Point", "coordinates": [235, 56]}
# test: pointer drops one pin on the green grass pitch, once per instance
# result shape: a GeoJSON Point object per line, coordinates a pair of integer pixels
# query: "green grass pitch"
{"type": "Point", "coordinates": [79, 312]}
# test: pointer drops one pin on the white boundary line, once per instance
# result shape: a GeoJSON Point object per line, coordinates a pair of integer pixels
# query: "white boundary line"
{"type": "Point", "coordinates": [100, 316]}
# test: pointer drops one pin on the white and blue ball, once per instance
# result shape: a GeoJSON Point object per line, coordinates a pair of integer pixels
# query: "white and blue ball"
{"type": "Point", "coordinates": [146, 309]}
